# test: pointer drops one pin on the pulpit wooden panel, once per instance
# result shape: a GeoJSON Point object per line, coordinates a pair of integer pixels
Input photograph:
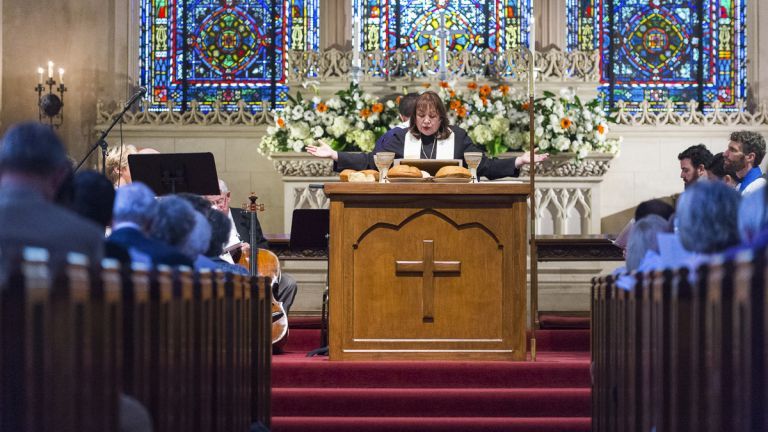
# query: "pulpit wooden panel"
{"type": "Point", "coordinates": [427, 271]}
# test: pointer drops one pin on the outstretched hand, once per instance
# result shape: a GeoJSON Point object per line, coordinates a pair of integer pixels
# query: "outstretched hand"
{"type": "Point", "coordinates": [525, 158]}
{"type": "Point", "coordinates": [323, 150]}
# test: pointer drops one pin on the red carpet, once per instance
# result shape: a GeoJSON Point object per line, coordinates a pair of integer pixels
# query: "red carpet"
{"type": "Point", "coordinates": [552, 394]}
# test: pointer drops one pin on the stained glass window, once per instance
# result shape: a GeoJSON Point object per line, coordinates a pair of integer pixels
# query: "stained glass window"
{"type": "Point", "coordinates": [582, 30]}
{"type": "Point", "coordinates": [472, 24]}
{"type": "Point", "coordinates": [679, 50]}
{"type": "Point", "coordinates": [221, 50]}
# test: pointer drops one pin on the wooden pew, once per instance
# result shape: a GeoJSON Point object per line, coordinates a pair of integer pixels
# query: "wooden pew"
{"type": "Point", "coordinates": [193, 348]}
{"type": "Point", "coordinates": [682, 351]}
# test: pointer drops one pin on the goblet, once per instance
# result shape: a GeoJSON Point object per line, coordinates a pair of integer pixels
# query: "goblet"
{"type": "Point", "coordinates": [383, 161]}
{"type": "Point", "coordinates": [473, 161]}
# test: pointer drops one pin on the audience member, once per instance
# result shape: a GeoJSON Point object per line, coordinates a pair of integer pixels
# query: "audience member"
{"type": "Point", "coordinates": [644, 239]}
{"type": "Point", "coordinates": [744, 155]}
{"type": "Point", "coordinates": [33, 165]}
{"type": "Point", "coordinates": [93, 197]}
{"type": "Point", "coordinates": [133, 216]}
{"type": "Point", "coordinates": [753, 217]}
{"type": "Point", "coordinates": [220, 228]}
{"type": "Point", "coordinates": [693, 163]}
{"type": "Point", "coordinates": [716, 171]}
{"type": "Point", "coordinates": [707, 218]}
{"type": "Point", "coordinates": [174, 223]}
{"type": "Point", "coordinates": [117, 165]}
{"type": "Point", "coordinates": [645, 208]}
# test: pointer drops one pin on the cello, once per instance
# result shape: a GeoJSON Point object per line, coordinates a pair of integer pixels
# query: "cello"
{"type": "Point", "coordinates": [264, 263]}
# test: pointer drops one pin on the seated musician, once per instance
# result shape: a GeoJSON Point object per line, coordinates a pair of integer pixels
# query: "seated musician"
{"type": "Point", "coordinates": [239, 233]}
{"type": "Point", "coordinates": [429, 136]}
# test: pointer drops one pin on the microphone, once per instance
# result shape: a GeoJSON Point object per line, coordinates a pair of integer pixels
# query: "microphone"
{"type": "Point", "coordinates": [136, 96]}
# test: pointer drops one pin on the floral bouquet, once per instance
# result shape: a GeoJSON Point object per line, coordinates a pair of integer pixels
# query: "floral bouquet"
{"type": "Point", "coordinates": [565, 124]}
{"type": "Point", "coordinates": [484, 112]}
{"type": "Point", "coordinates": [350, 121]}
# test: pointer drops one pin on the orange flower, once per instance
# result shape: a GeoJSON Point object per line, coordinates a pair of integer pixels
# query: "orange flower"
{"type": "Point", "coordinates": [525, 106]}
{"type": "Point", "coordinates": [462, 111]}
{"type": "Point", "coordinates": [321, 107]}
{"type": "Point", "coordinates": [454, 104]}
{"type": "Point", "coordinates": [565, 122]}
{"type": "Point", "coordinates": [485, 91]}
{"type": "Point", "coordinates": [398, 99]}
{"type": "Point", "coordinates": [280, 122]}
{"type": "Point", "coordinates": [484, 99]}
{"type": "Point", "coordinates": [444, 84]}
{"type": "Point", "coordinates": [504, 89]}
{"type": "Point", "coordinates": [377, 107]}
{"type": "Point", "coordinates": [365, 112]}
{"type": "Point", "coordinates": [425, 85]}
{"type": "Point", "coordinates": [600, 129]}
{"type": "Point", "coordinates": [472, 85]}
{"type": "Point", "coordinates": [452, 94]}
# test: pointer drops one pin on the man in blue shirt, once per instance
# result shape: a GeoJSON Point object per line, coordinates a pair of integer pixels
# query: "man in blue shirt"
{"type": "Point", "coordinates": [405, 108]}
{"type": "Point", "coordinates": [744, 154]}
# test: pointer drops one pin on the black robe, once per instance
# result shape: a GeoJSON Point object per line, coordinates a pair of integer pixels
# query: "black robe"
{"type": "Point", "coordinates": [490, 168]}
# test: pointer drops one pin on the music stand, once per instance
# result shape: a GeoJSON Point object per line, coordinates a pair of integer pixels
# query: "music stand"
{"type": "Point", "coordinates": [172, 173]}
{"type": "Point", "coordinates": [310, 233]}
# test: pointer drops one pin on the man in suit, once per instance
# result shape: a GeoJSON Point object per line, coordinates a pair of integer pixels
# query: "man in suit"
{"type": "Point", "coordinates": [33, 166]}
{"type": "Point", "coordinates": [135, 208]}
{"type": "Point", "coordinates": [240, 232]}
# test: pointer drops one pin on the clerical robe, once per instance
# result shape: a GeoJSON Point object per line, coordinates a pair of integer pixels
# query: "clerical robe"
{"type": "Point", "coordinates": [399, 140]}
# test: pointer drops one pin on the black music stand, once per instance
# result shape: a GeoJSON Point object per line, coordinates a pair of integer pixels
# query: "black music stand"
{"type": "Point", "coordinates": [172, 173]}
{"type": "Point", "coordinates": [309, 235]}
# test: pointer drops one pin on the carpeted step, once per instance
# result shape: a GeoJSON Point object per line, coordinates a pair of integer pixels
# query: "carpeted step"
{"type": "Point", "coordinates": [305, 339]}
{"type": "Point", "coordinates": [410, 402]}
{"type": "Point", "coordinates": [566, 370]}
{"type": "Point", "coordinates": [430, 424]}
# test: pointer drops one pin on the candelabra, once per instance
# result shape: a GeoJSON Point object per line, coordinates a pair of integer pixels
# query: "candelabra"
{"type": "Point", "coordinates": [50, 100]}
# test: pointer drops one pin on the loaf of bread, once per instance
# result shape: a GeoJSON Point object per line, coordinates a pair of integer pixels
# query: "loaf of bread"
{"type": "Point", "coordinates": [363, 176]}
{"type": "Point", "coordinates": [453, 171]}
{"type": "Point", "coordinates": [344, 175]}
{"type": "Point", "coordinates": [404, 171]}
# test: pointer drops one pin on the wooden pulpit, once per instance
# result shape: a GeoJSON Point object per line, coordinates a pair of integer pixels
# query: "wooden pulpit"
{"type": "Point", "coordinates": [427, 271]}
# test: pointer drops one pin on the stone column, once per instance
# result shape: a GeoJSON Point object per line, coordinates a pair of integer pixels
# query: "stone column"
{"type": "Point", "coordinates": [757, 50]}
{"type": "Point", "coordinates": [335, 23]}
{"type": "Point", "coordinates": [551, 23]}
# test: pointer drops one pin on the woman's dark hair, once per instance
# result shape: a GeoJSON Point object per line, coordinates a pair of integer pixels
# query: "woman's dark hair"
{"type": "Point", "coordinates": [427, 101]}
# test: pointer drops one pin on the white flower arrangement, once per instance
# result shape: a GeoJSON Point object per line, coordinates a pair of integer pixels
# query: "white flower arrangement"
{"type": "Point", "coordinates": [494, 118]}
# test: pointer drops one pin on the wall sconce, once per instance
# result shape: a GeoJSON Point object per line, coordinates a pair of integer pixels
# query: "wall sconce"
{"type": "Point", "coordinates": [51, 103]}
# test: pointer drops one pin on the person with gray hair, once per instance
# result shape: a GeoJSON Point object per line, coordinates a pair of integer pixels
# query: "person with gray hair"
{"type": "Point", "coordinates": [707, 217]}
{"type": "Point", "coordinates": [174, 220]}
{"type": "Point", "coordinates": [133, 216]}
{"type": "Point", "coordinates": [644, 239]}
{"type": "Point", "coordinates": [33, 166]}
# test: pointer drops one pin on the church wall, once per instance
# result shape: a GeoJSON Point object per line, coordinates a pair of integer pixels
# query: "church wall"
{"type": "Point", "coordinates": [78, 36]}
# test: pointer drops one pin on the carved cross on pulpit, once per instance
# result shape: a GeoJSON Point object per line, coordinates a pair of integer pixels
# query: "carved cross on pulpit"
{"type": "Point", "coordinates": [429, 268]}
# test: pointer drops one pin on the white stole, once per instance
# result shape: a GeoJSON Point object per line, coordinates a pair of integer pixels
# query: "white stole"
{"type": "Point", "coordinates": [412, 148]}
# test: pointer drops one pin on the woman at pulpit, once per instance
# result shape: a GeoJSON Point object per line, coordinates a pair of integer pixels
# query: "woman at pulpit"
{"type": "Point", "coordinates": [429, 136]}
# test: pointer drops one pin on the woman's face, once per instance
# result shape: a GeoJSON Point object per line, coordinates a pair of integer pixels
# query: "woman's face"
{"type": "Point", "coordinates": [427, 121]}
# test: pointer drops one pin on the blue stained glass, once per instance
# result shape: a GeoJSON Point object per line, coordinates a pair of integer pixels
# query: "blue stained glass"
{"type": "Point", "coordinates": [677, 50]}
{"type": "Point", "coordinates": [226, 51]}
{"type": "Point", "coordinates": [412, 25]}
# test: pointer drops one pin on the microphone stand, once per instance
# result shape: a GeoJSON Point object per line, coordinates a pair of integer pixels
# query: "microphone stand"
{"type": "Point", "coordinates": [102, 142]}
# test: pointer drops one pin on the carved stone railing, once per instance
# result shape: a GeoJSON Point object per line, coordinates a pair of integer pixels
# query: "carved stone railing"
{"type": "Point", "coordinates": [554, 65]}
{"type": "Point", "coordinates": [193, 116]}
{"type": "Point", "coordinates": [692, 116]}
{"type": "Point", "coordinates": [567, 190]}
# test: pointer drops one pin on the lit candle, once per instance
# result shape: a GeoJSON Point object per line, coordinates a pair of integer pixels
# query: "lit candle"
{"type": "Point", "coordinates": [40, 75]}
{"type": "Point", "coordinates": [61, 75]}
{"type": "Point", "coordinates": [50, 69]}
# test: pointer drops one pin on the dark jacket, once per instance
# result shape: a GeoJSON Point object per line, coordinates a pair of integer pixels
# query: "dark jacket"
{"type": "Point", "coordinates": [395, 142]}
